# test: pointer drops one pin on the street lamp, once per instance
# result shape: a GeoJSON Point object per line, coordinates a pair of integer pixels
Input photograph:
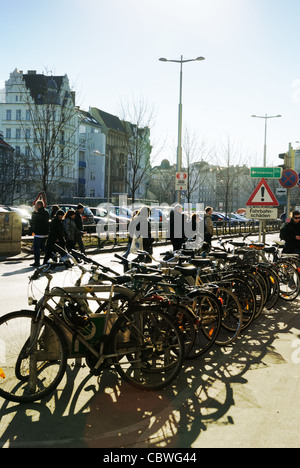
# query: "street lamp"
{"type": "Point", "coordinates": [96, 152]}
{"type": "Point", "coordinates": [179, 148]}
{"type": "Point", "coordinates": [266, 117]}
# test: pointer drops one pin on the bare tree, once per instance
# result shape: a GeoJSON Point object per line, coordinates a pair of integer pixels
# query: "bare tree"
{"type": "Point", "coordinates": [231, 174]}
{"type": "Point", "coordinates": [138, 119]}
{"type": "Point", "coordinates": [194, 151]}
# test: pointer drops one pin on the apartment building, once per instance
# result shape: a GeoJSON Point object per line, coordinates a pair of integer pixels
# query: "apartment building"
{"type": "Point", "coordinates": [38, 119]}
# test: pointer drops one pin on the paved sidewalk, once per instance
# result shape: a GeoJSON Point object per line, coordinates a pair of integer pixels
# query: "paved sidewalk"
{"type": "Point", "coordinates": [245, 395]}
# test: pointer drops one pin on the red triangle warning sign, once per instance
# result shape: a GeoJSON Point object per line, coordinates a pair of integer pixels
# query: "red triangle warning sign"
{"type": "Point", "coordinates": [262, 196]}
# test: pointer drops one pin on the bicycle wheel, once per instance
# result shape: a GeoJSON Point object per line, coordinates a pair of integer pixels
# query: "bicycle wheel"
{"type": "Point", "coordinates": [244, 291]}
{"type": "Point", "coordinates": [27, 376]}
{"type": "Point", "coordinates": [207, 310]}
{"type": "Point", "coordinates": [185, 321]}
{"type": "Point", "coordinates": [148, 348]}
{"type": "Point", "coordinates": [232, 316]}
{"type": "Point", "coordinates": [273, 288]}
{"type": "Point", "coordinates": [289, 281]}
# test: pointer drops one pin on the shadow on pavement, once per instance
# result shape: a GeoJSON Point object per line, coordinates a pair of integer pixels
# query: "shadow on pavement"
{"type": "Point", "coordinates": [89, 411]}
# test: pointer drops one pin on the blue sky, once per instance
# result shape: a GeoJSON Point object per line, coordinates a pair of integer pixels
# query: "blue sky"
{"type": "Point", "coordinates": [110, 51]}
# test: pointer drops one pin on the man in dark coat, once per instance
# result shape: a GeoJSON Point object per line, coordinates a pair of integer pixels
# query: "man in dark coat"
{"type": "Point", "coordinates": [56, 235]}
{"type": "Point", "coordinates": [176, 227]}
{"type": "Point", "coordinates": [290, 233]}
{"type": "Point", "coordinates": [40, 230]}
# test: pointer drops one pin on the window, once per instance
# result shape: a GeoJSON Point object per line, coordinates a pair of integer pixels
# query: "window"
{"type": "Point", "coordinates": [18, 114]}
{"type": "Point", "coordinates": [27, 133]}
{"type": "Point", "coordinates": [92, 192]}
{"type": "Point", "coordinates": [92, 175]}
{"type": "Point", "coordinates": [8, 133]}
{"type": "Point", "coordinates": [28, 115]}
{"type": "Point", "coordinates": [18, 133]}
{"type": "Point", "coordinates": [8, 114]}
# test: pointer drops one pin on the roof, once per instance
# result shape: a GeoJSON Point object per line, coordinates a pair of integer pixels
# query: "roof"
{"type": "Point", "coordinates": [3, 144]}
{"type": "Point", "coordinates": [39, 85]}
{"type": "Point", "coordinates": [87, 118]}
{"type": "Point", "coordinates": [111, 121]}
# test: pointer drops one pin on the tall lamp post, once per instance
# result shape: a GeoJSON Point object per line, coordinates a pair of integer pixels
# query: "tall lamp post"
{"type": "Point", "coordinates": [179, 147]}
{"type": "Point", "coordinates": [265, 117]}
{"type": "Point", "coordinates": [262, 231]}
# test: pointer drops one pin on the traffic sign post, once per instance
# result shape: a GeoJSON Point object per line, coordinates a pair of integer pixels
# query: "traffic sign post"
{"type": "Point", "coordinates": [261, 197]}
{"type": "Point", "coordinates": [265, 172]}
{"type": "Point", "coordinates": [181, 181]}
{"type": "Point", "coordinates": [289, 178]}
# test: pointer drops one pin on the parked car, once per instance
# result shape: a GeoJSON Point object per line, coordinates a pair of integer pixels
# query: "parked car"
{"type": "Point", "coordinates": [112, 220]}
{"type": "Point", "coordinates": [218, 218]}
{"type": "Point", "coordinates": [87, 216]}
{"type": "Point", "coordinates": [242, 220]}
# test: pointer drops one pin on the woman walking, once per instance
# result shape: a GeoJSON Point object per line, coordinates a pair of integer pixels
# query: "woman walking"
{"type": "Point", "coordinates": [71, 230]}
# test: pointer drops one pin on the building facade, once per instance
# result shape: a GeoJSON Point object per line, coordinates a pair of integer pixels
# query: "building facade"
{"type": "Point", "coordinates": [38, 120]}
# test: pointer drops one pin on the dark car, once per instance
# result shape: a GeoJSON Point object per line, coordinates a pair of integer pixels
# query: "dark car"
{"type": "Point", "coordinates": [87, 216]}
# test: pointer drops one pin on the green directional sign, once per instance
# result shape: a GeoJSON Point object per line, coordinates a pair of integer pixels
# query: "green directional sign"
{"type": "Point", "coordinates": [266, 172]}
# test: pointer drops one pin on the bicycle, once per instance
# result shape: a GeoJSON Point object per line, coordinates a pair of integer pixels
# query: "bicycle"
{"type": "Point", "coordinates": [142, 343]}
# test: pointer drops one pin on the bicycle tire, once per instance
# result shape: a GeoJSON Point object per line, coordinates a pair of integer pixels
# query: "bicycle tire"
{"type": "Point", "coordinates": [185, 321]}
{"type": "Point", "coordinates": [245, 293]}
{"type": "Point", "coordinates": [273, 287]}
{"type": "Point", "coordinates": [207, 310]}
{"type": "Point", "coordinates": [147, 348]}
{"type": "Point", "coordinates": [30, 377]}
{"type": "Point", "coordinates": [232, 316]}
{"type": "Point", "coordinates": [289, 281]}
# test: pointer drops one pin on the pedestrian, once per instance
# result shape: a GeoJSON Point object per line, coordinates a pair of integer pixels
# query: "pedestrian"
{"type": "Point", "coordinates": [40, 230]}
{"type": "Point", "coordinates": [208, 225]}
{"type": "Point", "coordinates": [290, 233]}
{"type": "Point", "coordinates": [176, 227]}
{"type": "Point", "coordinates": [131, 229]}
{"type": "Point", "coordinates": [79, 225]}
{"type": "Point", "coordinates": [54, 209]}
{"type": "Point", "coordinates": [56, 235]}
{"type": "Point", "coordinates": [70, 229]}
{"type": "Point", "coordinates": [141, 233]}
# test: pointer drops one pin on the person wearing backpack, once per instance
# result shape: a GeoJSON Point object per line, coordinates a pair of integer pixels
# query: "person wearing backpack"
{"type": "Point", "coordinates": [290, 233]}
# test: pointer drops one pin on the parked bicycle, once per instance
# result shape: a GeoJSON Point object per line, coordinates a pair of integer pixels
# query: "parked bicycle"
{"type": "Point", "coordinates": [142, 342]}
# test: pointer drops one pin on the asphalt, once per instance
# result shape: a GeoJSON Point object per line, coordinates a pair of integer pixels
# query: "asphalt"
{"type": "Point", "coordinates": [241, 396]}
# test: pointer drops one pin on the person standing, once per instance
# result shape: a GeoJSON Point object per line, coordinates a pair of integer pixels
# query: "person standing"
{"type": "Point", "coordinates": [79, 225]}
{"type": "Point", "coordinates": [290, 233]}
{"type": "Point", "coordinates": [56, 235]}
{"type": "Point", "coordinates": [208, 225]}
{"type": "Point", "coordinates": [40, 230]}
{"type": "Point", "coordinates": [176, 227]}
{"type": "Point", "coordinates": [70, 229]}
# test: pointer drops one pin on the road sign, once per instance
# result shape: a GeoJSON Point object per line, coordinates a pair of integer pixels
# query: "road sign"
{"type": "Point", "coordinates": [265, 172]}
{"type": "Point", "coordinates": [261, 212]}
{"type": "Point", "coordinates": [289, 178]}
{"type": "Point", "coordinates": [181, 181]}
{"type": "Point", "coordinates": [281, 192]}
{"type": "Point", "coordinates": [262, 196]}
